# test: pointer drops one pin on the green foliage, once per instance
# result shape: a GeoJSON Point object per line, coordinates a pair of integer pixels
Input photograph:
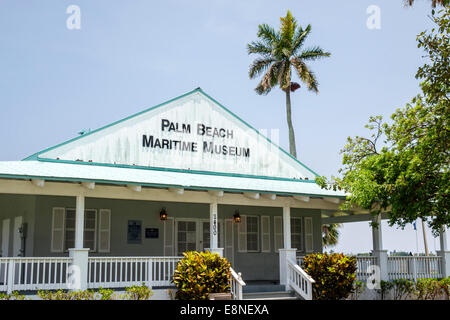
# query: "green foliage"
{"type": "Point", "coordinates": [358, 288]}
{"type": "Point", "coordinates": [445, 286]}
{"type": "Point", "coordinates": [200, 273]}
{"type": "Point", "coordinates": [131, 293]}
{"type": "Point", "coordinates": [66, 295]}
{"type": "Point", "coordinates": [428, 289]}
{"type": "Point", "coordinates": [403, 289]}
{"type": "Point", "coordinates": [138, 293]}
{"type": "Point", "coordinates": [334, 274]}
{"type": "Point", "coordinates": [385, 288]}
{"type": "Point", "coordinates": [107, 294]}
{"type": "Point", "coordinates": [13, 296]}
{"type": "Point", "coordinates": [408, 174]}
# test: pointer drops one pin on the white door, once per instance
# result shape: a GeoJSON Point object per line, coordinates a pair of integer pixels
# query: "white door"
{"type": "Point", "coordinates": [5, 237]}
{"type": "Point", "coordinates": [17, 240]}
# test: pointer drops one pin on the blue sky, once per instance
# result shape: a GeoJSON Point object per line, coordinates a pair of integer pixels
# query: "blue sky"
{"type": "Point", "coordinates": [128, 56]}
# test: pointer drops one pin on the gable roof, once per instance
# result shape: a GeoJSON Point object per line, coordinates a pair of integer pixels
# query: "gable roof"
{"type": "Point", "coordinates": [291, 168]}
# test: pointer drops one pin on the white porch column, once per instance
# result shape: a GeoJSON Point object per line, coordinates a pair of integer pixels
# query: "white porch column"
{"type": "Point", "coordinates": [444, 253]}
{"type": "Point", "coordinates": [78, 271]}
{"type": "Point", "coordinates": [287, 253]}
{"type": "Point", "coordinates": [79, 222]}
{"type": "Point", "coordinates": [378, 251]}
{"type": "Point", "coordinates": [214, 229]}
{"type": "Point", "coordinates": [287, 227]}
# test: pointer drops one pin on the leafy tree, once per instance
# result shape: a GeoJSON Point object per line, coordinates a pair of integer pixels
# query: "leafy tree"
{"type": "Point", "coordinates": [408, 174]}
{"type": "Point", "coordinates": [433, 2]}
{"type": "Point", "coordinates": [280, 52]}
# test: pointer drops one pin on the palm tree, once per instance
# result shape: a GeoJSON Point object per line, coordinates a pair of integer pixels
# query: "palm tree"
{"type": "Point", "coordinates": [279, 52]}
{"type": "Point", "coordinates": [330, 234]}
{"type": "Point", "coordinates": [433, 2]}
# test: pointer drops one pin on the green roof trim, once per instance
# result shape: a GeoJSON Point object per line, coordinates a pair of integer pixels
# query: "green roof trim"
{"type": "Point", "coordinates": [35, 156]}
{"type": "Point", "coordinates": [212, 173]}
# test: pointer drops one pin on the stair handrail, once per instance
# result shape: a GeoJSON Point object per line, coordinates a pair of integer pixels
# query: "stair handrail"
{"type": "Point", "coordinates": [299, 280]}
{"type": "Point", "coordinates": [236, 285]}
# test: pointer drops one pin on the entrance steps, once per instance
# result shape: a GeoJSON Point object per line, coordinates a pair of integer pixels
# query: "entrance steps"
{"type": "Point", "coordinates": [266, 290]}
{"type": "Point", "coordinates": [273, 295]}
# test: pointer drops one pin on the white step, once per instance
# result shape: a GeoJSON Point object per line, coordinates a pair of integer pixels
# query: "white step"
{"type": "Point", "coordinates": [275, 295]}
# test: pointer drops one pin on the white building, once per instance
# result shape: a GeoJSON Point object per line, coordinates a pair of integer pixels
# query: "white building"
{"type": "Point", "coordinates": [123, 202]}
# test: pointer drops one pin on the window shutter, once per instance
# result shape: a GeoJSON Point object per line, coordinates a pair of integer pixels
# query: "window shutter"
{"type": "Point", "coordinates": [229, 240]}
{"type": "Point", "coordinates": [278, 232]}
{"type": "Point", "coordinates": [308, 234]}
{"type": "Point", "coordinates": [242, 235]}
{"type": "Point", "coordinates": [104, 237]}
{"type": "Point", "coordinates": [265, 234]}
{"type": "Point", "coordinates": [57, 243]}
{"type": "Point", "coordinates": [169, 237]}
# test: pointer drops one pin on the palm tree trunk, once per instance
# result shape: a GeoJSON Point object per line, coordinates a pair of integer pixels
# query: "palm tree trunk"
{"type": "Point", "coordinates": [292, 148]}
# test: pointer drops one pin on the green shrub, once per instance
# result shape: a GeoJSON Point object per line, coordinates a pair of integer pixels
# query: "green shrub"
{"type": "Point", "coordinates": [402, 289]}
{"type": "Point", "coordinates": [66, 295]}
{"type": "Point", "coordinates": [445, 285]}
{"type": "Point", "coordinates": [13, 296]}
{"type": "Point", "coordinates": [385, 288]}
{"type": "Point", "coordinates": [334, 275]}
{"type": "Point", "coordinates": [358, 288]}
{"type": "Point", "coordinates": [107, 294]}
{"type": "Point", "coordinates": [138, 292]}
{"type": "Point", "coordinates": [428, 289]}
{"type": "Point", "coordinates": [200, 273]}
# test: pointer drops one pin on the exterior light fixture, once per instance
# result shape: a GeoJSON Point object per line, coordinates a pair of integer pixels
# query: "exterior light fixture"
{"type": "Point", "coordinates": [237, 217]}
{"type": "Point", "coordinates": [163, 214]}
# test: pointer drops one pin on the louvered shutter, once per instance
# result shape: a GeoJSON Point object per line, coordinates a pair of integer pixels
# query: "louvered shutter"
{"type": "Point", "coordinates": [104, 231]}
{"type": "Point", "coordinates": [57, 242]}
{"type": "Point", "coordinates": [265, 234]}
{"type": "Point", "coordinates": [242, 235]}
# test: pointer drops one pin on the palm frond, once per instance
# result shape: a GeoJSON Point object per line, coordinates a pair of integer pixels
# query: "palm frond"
{"type": "Point", "coordinates": [305, 74]}
{"type": "Point", "coordinates": [313, 53]}
{"type": "Point", "coordinates": [258, 66]}
{"type": "Point", "coordinates": [268, 34]}
{"type": "Point", "coordinates": [300, 37]}
{"type": "Point", "coordinates": [288, 27]}
{"type": "Point", "coordinates": [330, 234]}
{"type": "Point", "coordinates": [257, 47]}
{"type": "Point", "coordinates": [269, 80]}
{"type": "Point", "coordinates": [284, 75]}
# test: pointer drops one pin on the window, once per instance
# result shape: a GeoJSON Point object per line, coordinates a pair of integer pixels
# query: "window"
{"type": "Point", "coordinates": [252, 233]}
{"type": "Point", "coordinates": [63, 230]}
{"type": "Point", "coordinates": [296, 233]}
{"type": "Point", "coordinates": [248, 234]}
{"type": "Point", "coordinates": [90, 229]}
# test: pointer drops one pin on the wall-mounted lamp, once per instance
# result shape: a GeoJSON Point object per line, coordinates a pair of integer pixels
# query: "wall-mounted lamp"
{"type": "Point", "coordinates": [237, 217]}
{"type": "Point", "coordinates": [163, 214]}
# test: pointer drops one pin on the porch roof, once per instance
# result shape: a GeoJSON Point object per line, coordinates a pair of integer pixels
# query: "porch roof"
{"type": "Point", "coordinates": [159, 177]}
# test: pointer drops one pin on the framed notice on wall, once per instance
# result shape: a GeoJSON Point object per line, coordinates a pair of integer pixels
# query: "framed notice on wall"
{"type": "Point", "coordinates": [134, 232]}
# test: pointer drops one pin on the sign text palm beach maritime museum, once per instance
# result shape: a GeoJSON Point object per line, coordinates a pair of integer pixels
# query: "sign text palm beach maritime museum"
{"type": "Point", "coordinates": [201, 130]}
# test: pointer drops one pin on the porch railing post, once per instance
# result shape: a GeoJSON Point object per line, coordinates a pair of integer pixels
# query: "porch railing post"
{"type": "Point", "coordinates": [444, 254]}
{"type": "Point", "coordinates": [78, 270]}
{"type": "Point", "coordinates": [11, 277]}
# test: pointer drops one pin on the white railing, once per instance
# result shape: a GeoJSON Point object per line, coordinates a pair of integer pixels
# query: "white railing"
{"type": "Point", "coordinates": [299, 280]}
{"type": "Point", "coordinates": [363, 263]}
{"type": "Point", "coordinates": [119, 272]}
{"type": "Point", "coordinates": [236, 285]}
{"type": "Point", "coordinates": [414, 267]}
{"type": "Point", "coordinates": [24, 273]}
